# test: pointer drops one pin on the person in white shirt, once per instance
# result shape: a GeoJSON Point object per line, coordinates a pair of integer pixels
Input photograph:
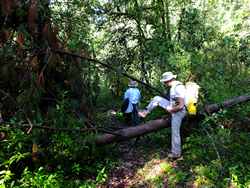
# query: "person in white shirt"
{"type": "Point", "coordinates": [175, 106]}
{"type": "Point", "coordinates": [134, 96]}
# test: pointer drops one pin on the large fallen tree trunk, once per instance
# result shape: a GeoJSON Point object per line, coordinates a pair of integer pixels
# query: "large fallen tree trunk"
{"type": "Point", "coordinates": [132, 132]}
{"type": "Point", "coordinates": [158, 124]}
{"type": "Point", "coordinates": [226, 104]}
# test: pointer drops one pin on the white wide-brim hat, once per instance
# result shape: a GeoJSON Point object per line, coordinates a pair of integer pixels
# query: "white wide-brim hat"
{"type": "Point", "coordinates": [133, 83]}
{"type": "Point", "coordinates": [166, 76]}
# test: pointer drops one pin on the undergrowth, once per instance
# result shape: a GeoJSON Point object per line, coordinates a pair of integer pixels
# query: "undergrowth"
{"type": "Point", "coordinates": [215, 154]}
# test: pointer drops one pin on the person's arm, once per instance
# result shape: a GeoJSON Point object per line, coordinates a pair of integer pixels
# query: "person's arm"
{"type": "Point", "coordinates": [180, 101]}
{"type": "Point", "coordinates": [126, 95]}
{"type": "Point", "coordinates": [180, 104]}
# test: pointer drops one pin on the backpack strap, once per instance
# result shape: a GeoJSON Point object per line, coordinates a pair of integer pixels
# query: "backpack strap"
{"type": "Point", "coordinates": [178, 84]}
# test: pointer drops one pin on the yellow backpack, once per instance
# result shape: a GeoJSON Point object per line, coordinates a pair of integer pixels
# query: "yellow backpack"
{"type": "Point", "coordinates": [191, 97]}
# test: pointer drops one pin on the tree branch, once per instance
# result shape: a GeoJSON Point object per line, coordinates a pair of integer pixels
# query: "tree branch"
{"type": "Point", "coordinates": [8, 95]}
{"type": "Point", "coordinates": [108, 67]}
{"type": "Point", "coordinates": [31, 126]}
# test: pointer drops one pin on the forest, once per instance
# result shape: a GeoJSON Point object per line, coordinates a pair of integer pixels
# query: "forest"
{"type": "Point", "coordinates": [65, 66]}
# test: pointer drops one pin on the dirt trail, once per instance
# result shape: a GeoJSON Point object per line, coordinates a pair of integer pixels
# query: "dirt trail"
{"type": "Point", "coordinates": [137, 166]}
{"type": "Point", "coordinates": [125, 174]}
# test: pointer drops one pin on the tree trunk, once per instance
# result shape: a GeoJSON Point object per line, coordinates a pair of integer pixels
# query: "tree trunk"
{"type": "Point", "coordinates": [226, 104]}
{"type": "Point", "coordinates": [132, 132]}
{"type": "Point", "coordinates": [158, 124]}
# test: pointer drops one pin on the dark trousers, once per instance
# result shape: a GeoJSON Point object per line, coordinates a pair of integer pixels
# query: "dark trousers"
{"type": "Point", "coordinates": [132, 118]}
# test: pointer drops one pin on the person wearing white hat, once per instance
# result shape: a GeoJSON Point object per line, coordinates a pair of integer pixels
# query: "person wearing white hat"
{"type": "Point", "coordinates": [133, 95]}
{"type": "Point", "coordinates": [175, 106]}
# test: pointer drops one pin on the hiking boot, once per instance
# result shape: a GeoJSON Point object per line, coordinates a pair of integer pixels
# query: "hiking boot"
{"type": "Point", "coordinates": [174, 156]}
{"type": "Point", "coordinates": [143, 113]}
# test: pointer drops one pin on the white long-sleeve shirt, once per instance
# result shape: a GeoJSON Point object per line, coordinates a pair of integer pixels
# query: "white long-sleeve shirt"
{"type": "Point", "coordinates": [134, 96]}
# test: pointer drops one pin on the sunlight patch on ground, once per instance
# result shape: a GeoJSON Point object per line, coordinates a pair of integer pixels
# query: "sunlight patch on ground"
{"type": "Point", "coordinates": [154, 169]}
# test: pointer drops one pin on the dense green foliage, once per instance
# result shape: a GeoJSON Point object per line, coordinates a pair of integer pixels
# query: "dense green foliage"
{"type": "Point", "coordinates": [53, 104]}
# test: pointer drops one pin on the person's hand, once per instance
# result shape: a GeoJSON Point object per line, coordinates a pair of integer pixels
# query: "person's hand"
{"type": "Point", "coordinates": [143, 114]}
{"type": "Point", "coordinates": [169, 109]}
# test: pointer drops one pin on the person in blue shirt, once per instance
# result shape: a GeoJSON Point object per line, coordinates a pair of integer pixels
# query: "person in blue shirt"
{"type": "Point", "coordinates": [133, 95]}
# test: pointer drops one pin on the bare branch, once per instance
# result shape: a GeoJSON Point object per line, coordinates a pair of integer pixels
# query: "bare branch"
{"type": "Point", "coordinates": [107, 66]}
{"type": "Point", "coordinates": [31, 126]}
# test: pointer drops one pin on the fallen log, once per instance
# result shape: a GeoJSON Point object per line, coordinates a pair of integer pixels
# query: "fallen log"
{"type": "Point", "coordinates": [226, 104]}
{"type": "Point", "coordinates": [132, 132]}
{"type": "Point", "coordinates": [154, 125]}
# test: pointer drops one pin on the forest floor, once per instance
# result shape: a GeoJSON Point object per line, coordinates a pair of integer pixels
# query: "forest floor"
{"type": "Point", "coordinates": [143, 167]}
{"type": "Point", "coordinates": [129, 172]}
